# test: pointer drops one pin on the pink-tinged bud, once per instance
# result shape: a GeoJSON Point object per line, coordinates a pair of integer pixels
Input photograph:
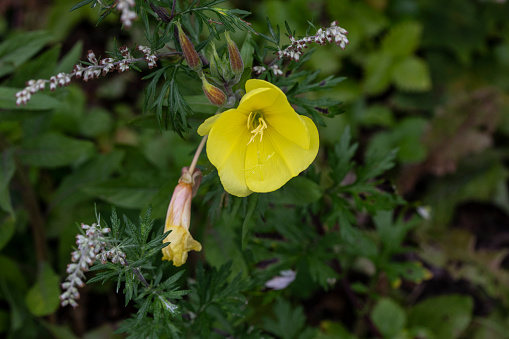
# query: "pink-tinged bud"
{"type": "Point", "coordinates": [190, 54]}
{"type": "Point", "coordinates": [236, 63]}
{"type": "Point", "coordinates": [178, 219]}
{"type": "Point", "coordinates": [214, 94]}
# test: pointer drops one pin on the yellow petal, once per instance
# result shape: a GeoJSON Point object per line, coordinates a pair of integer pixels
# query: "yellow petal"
{"type": "Point", "coordinates": [205, 127]}
{"type": "Point", "coordinates": [264, 96]}
{"type": "Point", "coordinates": [288, 123]}
{"type": "Point", "coordinates": [275, 160]}
{"type": "Point", "coordinates": [253, 84]}
{"type": "Point", "coordinates": [259, 99]}
{"type": "Point", "coordinates": [181, 242]}
{"type": "Point", "coordinates": [226, 150]}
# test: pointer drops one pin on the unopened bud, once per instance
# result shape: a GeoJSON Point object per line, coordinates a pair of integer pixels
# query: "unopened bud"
{"type": "Point", "coordinates": [214, 94]}
{"type": "Point", "coordinates": [214, 60]}
{"type": "Point", "coordinates": [190, 54]}
{"type": "Point", "coordinates": [236, 63]}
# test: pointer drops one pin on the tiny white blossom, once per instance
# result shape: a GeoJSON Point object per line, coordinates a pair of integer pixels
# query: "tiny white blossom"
{"type": "Point", "coordinates": [331, 34]}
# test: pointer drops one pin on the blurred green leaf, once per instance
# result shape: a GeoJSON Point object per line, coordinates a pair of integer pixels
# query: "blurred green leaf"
{"type": "Point", "coordinates": [38, 102]}
{"type": "Point", "coordinates": [289, 322]}
{"type": "Point", "coordinates": [96, 170]}
{"type": "Point", "coordinates": [70, 59]}
{"type": "Point", "coordinates": [43, 298]}
{"type": "Point", "coordinates": [402, 39]}
{"type": "Point", "coordinates": [54, 150]}
{"type": "Point", "coordinates": [247, 51]}
{"type": "Point", "coordinates": [378, 72]}
{"type": "Point", "coordinates": [298, 191]}
{"type": "Point", "coordinates": [19, 48]}
{"type": "Point", "coordinates": [388, 317]}
{"type": "Point", "coordinates": [6, 231]}
{"type": "Point", "coordinates": [446, 316]}
{"type": "Point", "coordinates": [412, 74]}
{"type": "Point", "coordinates": [7, 169]}
{"type": "Point", "coordinates": [133, 191]}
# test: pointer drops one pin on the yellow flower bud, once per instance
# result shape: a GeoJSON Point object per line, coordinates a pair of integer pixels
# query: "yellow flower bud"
{"type": "Point", "coordinates": [190, 54]}
{"type": "Point", "coordinates": [214, 94]}
{"type": "Point", "coordinates": [178, 219]}
{"type": "Point", "coordinates": [236, 63]}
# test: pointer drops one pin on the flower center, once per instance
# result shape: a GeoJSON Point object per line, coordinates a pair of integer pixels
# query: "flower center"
{"type": "Point", "coordinates": [256, 124]}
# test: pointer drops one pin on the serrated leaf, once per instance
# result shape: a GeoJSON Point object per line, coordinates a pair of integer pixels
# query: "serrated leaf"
{"type": "Point", "coordinates": [289, 320]}
{"type": "Point", "coordinates": [402, 39]}
{"type": "Point", "coordinates": [43, 298]}
{"type": "Point", "coordinates": [412, 74]}
{"type": "Point", "coordinates": [388, 317]}
{"type": "Point", "coordinates": [54, 150]}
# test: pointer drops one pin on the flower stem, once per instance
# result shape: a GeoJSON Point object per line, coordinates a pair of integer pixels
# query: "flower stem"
{"type": "Point", "coordinates": [197, 154]}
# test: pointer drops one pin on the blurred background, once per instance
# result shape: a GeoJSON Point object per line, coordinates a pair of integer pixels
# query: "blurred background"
{"type": "Point", "coordinates": [428, 77]}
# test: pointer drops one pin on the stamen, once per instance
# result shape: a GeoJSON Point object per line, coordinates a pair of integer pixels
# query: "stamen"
{"type": "Point", "coordinates": [261, 126]}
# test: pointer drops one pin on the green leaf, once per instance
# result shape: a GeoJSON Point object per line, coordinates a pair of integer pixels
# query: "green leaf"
{"type": "Point", "coordinates": [249, 220]}
{"type": "Point", "coordinates": [289, 321]}
{"type": "Point", "coordinates": [80, 4]}
{"type": "Point", "coordinates": [4, 321]}
{"type": "Point", "coordinates": [402, 39]}
{"type": "Point", "coordinates": [6, 231]}
{"type": "Point", "coordinates": [19, 48]}
{"type": "Point", "coordinates": [378, 72]}
{"type": "Point", "coordinates": [43, 298]}
{"type": "Point", "coordinates": [412, 74]}
{"type": "Point", "coordinates": [298, 191]}
{"type": "Point", "coordinates": [388, 317]}
{"type": "Point", "coordinates": [70, 59]}
{"type": "Point", "coordinates": [59, 331]}
{"type": "Point", "coordinates": [7, 169]}
{"type": "Point", "coordinates": [38, 102]}
{"type": "Point", "coordinates": [54, 150]}
{"type": "Point", "coordinates": [247, 51]}
{"type": "Point", "coordinates": [446, 316]}
{"type": "Point", "coordinates": [98, 169]}
{"type": "Point", "coordinates": [129, 192]}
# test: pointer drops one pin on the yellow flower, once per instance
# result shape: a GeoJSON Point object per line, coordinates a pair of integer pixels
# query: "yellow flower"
{"type": "Point", "coordinates": [262, 144]}
{"type": "Point", "coordinates": [178, 219]}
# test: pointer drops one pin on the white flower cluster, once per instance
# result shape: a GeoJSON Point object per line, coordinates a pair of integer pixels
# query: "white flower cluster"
{"type": "Point", "coordinates": [128, 15]}
{"type": "Point", "coordinates": [34, 86]}
{"type": "Point", "coordinates": [92, 71]}
{"type": "Point", "coordinates": [124, 64]}
{"type": "Point", "coordinates": [115, 255]}
{"type": "Point", "coordinates": [90, 245]}
{"type": "Point", "coordinates": [334, 33]}
{"type": "Point", "coordinates": [150, 56]}
{"type": "Point", "coordinates": [262, 69]}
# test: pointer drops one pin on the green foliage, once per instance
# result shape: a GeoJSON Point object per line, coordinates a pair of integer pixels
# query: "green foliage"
{"type": "Point", "coordinates": [413, 120]}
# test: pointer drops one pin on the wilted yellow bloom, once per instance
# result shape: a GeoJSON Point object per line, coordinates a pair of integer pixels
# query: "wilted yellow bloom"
{"type": "Point", "coordinates": [178, 219]}
{"type": "Point", "coordinates": [262, 144]}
